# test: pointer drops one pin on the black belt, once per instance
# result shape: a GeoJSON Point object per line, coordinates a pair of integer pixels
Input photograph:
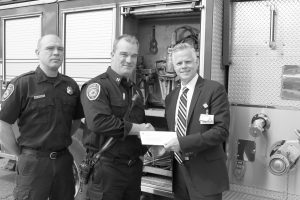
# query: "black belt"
{"type": "Point", "coordinates": [50, 154]}
{"type": "Point", "coordinates": [128, 162]}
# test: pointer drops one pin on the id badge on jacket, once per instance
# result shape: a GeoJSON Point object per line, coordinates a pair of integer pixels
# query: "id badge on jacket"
{"type": "Point", "coordinates": [206, 118]}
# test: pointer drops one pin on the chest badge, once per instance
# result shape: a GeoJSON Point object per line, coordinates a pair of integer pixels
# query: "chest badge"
{"type": "Point", "coordinates": [206, 118]}
{"type": "Point", "coordinates": [70, 90]}
{"type": "Point", "coordinates": [93, 91]}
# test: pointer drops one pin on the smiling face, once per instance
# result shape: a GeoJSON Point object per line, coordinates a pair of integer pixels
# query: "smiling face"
{"type": "Point", "coordinates": [185, 64]}
{"type": "Point", "coordinates": [124, 57]}
{"type": "Point", "coordinates": [50, 52]}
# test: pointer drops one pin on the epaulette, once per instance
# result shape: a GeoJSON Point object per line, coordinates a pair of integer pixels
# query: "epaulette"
{"type": "Point", "coordinates": [66, 77]}
{"type": "Point", "coordinates": [23, 75]}
{"type": "Point", "coordinates": [102, 76]}
{"type": "Point", "coordinates": [93, 80]}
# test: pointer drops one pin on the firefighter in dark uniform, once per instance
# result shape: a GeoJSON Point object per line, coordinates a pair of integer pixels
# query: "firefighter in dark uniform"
{"type": "Point", "coordinates": [47, 108]}
{"type": "Point", "coordinates": [113, 107]}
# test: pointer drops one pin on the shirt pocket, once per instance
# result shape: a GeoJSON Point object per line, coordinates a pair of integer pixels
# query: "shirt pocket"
{"type": "Point", "coordinates": [69, 107]}
{"type": "Point", "coordinates": [119, 107]}
{"type": "Point", "coordinates": [41, 110]}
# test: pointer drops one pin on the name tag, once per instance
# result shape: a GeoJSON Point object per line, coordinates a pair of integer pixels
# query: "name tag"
{"type": "Point", "coordinates": [39, 96]}
{"type": "Point", "coordinates": [206, 119]}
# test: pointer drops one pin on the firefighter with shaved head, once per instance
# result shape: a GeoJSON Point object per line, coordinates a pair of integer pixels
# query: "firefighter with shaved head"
{"type": "Point", "coordinates": [47, 108]}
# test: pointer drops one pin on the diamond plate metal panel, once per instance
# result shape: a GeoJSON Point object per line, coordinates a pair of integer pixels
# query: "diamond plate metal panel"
{"type": "Point", "coordinates": [238, 192]}
{"type": "Point", "coordinates": [217, 73]}
{"type": "Point", "coordinates": [255, 73]}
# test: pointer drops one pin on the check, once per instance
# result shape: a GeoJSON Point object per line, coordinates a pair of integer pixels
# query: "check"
{"type": "Point", "coordinates": [156, 137]}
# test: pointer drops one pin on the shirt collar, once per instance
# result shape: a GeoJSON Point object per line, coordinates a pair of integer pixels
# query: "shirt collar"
{"type": "Point", "coordinates": [115, 76]}
{"type": "Point", "coordinates": [42, 77]}
{"type": "Point", "coordinates": [191, 85]}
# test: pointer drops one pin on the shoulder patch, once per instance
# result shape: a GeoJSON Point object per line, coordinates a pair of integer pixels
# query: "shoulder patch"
{"type": "Point", "coordinates": [93, 91]}
{"type": "Point", "coordinates": [9, 90]}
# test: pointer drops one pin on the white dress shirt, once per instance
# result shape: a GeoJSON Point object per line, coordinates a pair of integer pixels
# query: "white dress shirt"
{"type": "Point", "coordinates": [191, 86]}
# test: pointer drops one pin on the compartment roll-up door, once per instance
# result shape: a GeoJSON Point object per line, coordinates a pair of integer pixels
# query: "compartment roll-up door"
{"type": "Point", "coordinates": [88, 41]}
{"type": "Point", "coordinates": [20, 41]}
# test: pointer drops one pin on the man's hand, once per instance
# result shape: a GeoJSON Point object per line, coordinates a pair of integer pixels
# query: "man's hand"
{"type": "Point", "coordinates": [157, 151]}
{"type": "Point", "coordinates": [136, 128]}
{"type": "Point", "coordinates": [172, 145]}
{"type": "Point", "coordinates": [149, 127]}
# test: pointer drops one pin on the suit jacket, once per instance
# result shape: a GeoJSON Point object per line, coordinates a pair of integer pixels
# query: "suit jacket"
{"type": "Point", "coordinates": [204, 142]}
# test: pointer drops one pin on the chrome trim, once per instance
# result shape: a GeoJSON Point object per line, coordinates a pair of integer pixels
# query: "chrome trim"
{"type": "Point", "coordinates": [88, 8]}
{"type": "Point", "coordinates": [9, 156]}
{"type": "Point", "coordinates": [30, 3]}
{"type": "Point", "coordinates": [265, 106]}
{"type": "Point", "coordinates": [272, 43]}
{"type": "Point", "coordinates": [159, 7]}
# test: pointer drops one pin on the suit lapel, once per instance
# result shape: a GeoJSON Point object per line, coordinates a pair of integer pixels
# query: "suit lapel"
{"type": "Point", "coordinates": [173, 103]}
{"type": "Point", "coordinates": [197, 92]}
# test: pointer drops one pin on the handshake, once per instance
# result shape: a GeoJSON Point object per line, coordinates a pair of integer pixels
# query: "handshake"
{"type": "Point", "coordinates": [136, 128]}
{"type": "Point", "coordinates": [171, 143]}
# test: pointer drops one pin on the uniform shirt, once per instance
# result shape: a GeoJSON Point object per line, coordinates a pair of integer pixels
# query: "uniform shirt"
{"type": "Point", "coordinates": [110, 111]}
{"type": "Point", "coordinates": [44, 107]}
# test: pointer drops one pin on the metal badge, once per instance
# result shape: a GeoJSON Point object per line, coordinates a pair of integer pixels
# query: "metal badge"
{"type": "Point", "coordinates": [206, 107]}
{"type": "Point", "coordinates": [70, 90]}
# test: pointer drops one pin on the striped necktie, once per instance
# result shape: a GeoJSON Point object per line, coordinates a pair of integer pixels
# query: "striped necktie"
{"type": "Point", "coordinates": [181, 120]}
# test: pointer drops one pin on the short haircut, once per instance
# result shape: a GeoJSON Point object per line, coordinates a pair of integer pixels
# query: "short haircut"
{"type": "Point", "coordinates": [129, 38]}
{"type": "Point", "coordinates": [183, 46]}
{"type": "Point", "coordinates": [43, 37]}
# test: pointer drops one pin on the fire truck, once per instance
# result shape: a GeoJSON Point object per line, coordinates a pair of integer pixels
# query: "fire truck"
{"type": "Point", "coordinates": [250, 46]}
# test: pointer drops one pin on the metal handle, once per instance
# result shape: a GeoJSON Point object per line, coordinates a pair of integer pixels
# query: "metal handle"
{"type": "Point", "coordinates": [163, 8]}
{"type": "Point", "coordinates": [3, 76]}
{"type": "Point", "coordinates": [272, 43]}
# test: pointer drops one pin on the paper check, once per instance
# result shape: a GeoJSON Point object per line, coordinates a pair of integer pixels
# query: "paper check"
{"type": "Point", "coordinates": [156, 137]}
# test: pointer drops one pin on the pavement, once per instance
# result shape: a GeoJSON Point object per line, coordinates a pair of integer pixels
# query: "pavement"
{"type": "Point", "coordinates": [7, 179]}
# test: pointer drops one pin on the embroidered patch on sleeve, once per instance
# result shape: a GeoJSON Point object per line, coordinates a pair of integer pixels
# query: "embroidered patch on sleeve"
{"type": "Point", "coordinates": [9, 90]}
{"type": "Point", "coordinates": [93, 91]}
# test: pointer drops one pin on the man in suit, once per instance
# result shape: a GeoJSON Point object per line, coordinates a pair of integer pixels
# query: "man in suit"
{"type": "Point", "coordinates": [199, 167]}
